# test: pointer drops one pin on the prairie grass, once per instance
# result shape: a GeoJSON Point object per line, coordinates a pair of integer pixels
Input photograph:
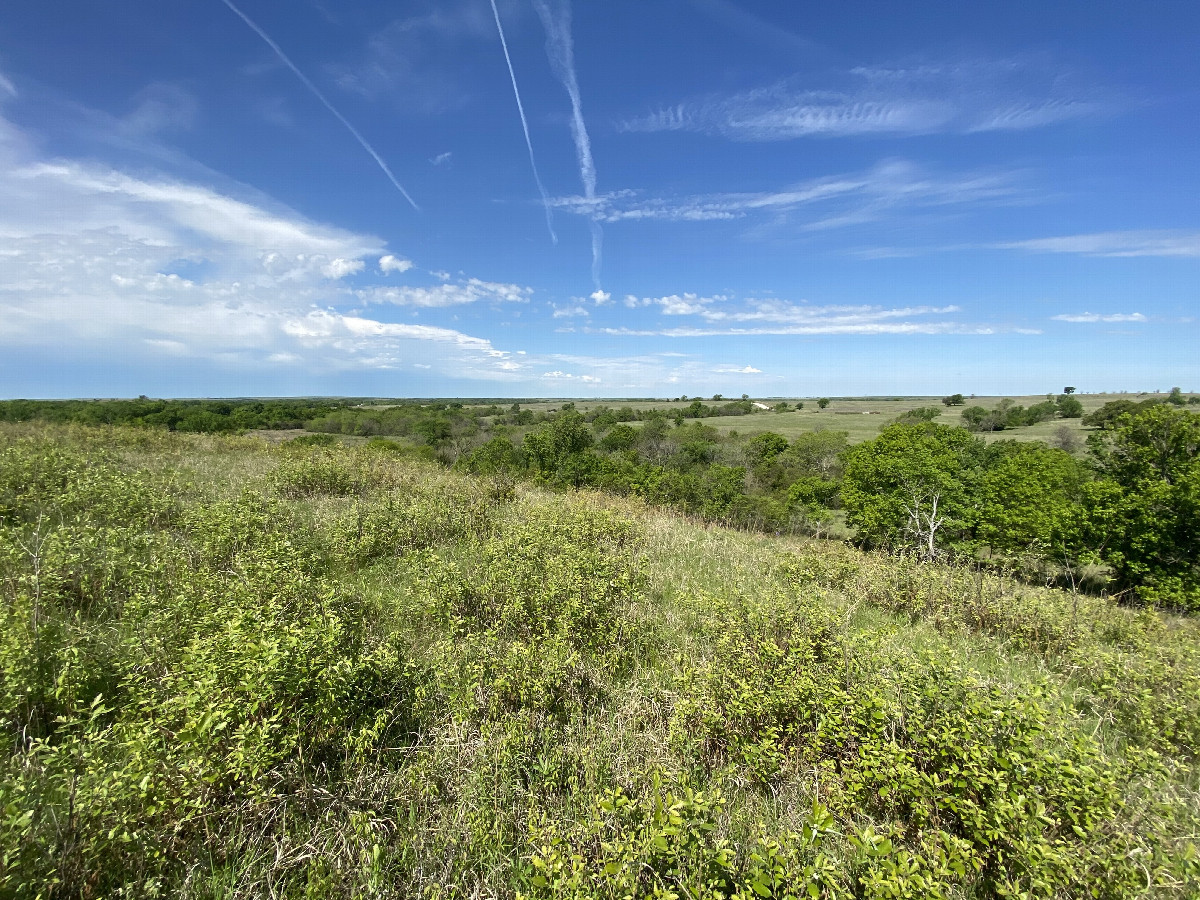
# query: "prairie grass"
{"type": "Point", "coordinates": [230, 669]}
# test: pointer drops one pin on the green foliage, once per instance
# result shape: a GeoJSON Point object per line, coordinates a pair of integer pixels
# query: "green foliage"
{"type": "Point", "coordinates": [1026, 500]}
{"type": "Point", "coordinates": [765, 447]}
{"type": "Point", "coordinates": [1108, 415]}
{"type": "Point", "coordinates": [317, 475]}
{"type": "Point", "coordinates": [622, 437]}
{"type": "Point", "coordinates": [1144, 513]}
{"type": "Point", "coordinates": [208, 416]}
{"type": "Point", "coordinates": [552, 444]}
{"type": "Point", "coordinates": [1010, 415]}
{"type": "Point", "coordinates": [1068, 407]}
{"type": "Point", "coordinates": [496, 456]}
{"type": "Point", "coordinates": [911, 483]}
{"type": "Point", "coordinates": [968, 788]}
{"type": "Point", "coordinates": [223, 673]}
{"type": "Point", "coordinates": [954, 400]}
{"type": "Point", "coordinates": [920, 414]}
{"type": "Point", "coordinates": [823, 402]}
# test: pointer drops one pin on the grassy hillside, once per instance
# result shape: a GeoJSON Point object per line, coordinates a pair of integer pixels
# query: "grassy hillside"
{"type": "Point", "coordinates": [235, 670]}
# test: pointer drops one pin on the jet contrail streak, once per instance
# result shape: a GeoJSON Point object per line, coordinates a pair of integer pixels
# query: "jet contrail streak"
{"type": "Point", "coordinates": [562, 59]}
{"type": "Point", "coordinates": [525, 126]}
{"type": "Point", "coordinates": [329, 106]}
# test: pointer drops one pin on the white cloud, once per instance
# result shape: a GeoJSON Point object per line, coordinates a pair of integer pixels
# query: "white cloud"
{"type": "Point", "coordinates": [7, 86]}
{"type": "Point", "coordinates": [1115, 243]}
{"type": "Point", "coordinates": [566, 312]}
{"type": "Point", "coordinates": [835, 201]}
{"type": "Point", "coordinates": [687, 305]}
{"type": "Point", "coordinates": [160, 107]}
{"type": "Point", "coordinates": [962, 97]}
{"type": "Point", "coordinates": [600, 297]}
{"type": "Point", "coordinates": [734, 370]}
{"type": "Point", "coordinates": [866, 328]}
{"type": "Point", "coordinates": [340, 268]}
{"type": "Point", "coordinates": [565, 376]}
{"type": "Point", "coordinates": [390, 263]}
{"type": "Point", "coordinates": [95, 261]}
{"type": "Point", "coordinates": [441, 159]}
{"type": "Point", "coordinates": [721, 308]}
{"type": "Point", "coordinates": [472, 290]}
{"type": "Point", "coordinates": [1097, 317]}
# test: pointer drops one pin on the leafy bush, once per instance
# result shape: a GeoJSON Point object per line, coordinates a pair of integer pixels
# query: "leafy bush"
{"type": "Point", "coordinates": [317, 475]}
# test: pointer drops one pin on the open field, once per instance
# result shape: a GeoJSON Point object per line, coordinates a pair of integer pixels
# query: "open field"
{"type": "Point", "coordinates": [236, 670]}
{"type": "Point", "coordinates": [861, 418]}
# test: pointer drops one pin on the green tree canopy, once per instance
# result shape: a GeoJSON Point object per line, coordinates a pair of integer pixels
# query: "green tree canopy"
{"type": "Point", "coordinates": [1144, 514]}
{"type": "Point", "coordinates": [910, 485]}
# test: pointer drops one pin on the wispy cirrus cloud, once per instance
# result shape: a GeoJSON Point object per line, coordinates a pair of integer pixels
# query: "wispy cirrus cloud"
{"type": "Point", "coordinates": [1114, 243]}
{"type": "Point", "coordinates": [866, 328]}
{"type": "Point", "coordinates": [726, 315]}
{"type": "Point", "coordinates": [420, 60]}
{"type": "Point", "coordinates": [964, 96]}
{"type": "Point", "coordinates": [1089, 317]}
{"type": "Point", "coordinates": [831, 202]}
{"type": "Point", "coordinates": [470, 290]}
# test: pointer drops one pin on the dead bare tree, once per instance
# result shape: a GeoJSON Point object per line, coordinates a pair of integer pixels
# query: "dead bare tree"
{"type": "Point", "coordinates": [923, 518]}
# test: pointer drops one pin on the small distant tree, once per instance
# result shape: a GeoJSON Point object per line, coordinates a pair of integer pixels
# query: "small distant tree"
{"type": "Point", "coordinates": [745, 396]}
{"type": "Point", "coordinates": [683, 398]}
{"type": "Point", "coordinates": [765, 447]}
{"type": "Point", "coordinates": [920, 414]}
{"type": "Point", "coordinates": [800, 404]}
{"type": "Point", "coordinates": [1176, 397]}
{"type": "Point", "coordinates": [954, 400]}
{"type": "Point", "coordinates": [1068, 407]}
{"type": "Point", "coordinates": [1068, 390]}
{"type": "Point", "coordinates": [622, 437]}
{"type": "Point", "coordinates": [823, 402]}
{"type": "Point", "coordinates": [718, 397]}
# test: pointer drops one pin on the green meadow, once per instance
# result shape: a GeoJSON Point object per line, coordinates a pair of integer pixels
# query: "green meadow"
{"type": "Point", "coordinates": [230, 668]}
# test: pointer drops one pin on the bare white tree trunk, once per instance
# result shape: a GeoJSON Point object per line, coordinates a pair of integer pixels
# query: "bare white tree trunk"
{"type": "Point", "coordinates": [924, 521]}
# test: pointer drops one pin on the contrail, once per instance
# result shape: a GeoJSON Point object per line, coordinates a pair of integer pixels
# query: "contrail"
{"type": "Point", "coordinates": [562, 59]}
{"type": "Point", "coordinates": [329, 106]}
{"type": "Point", "coordinates": [525, 126]}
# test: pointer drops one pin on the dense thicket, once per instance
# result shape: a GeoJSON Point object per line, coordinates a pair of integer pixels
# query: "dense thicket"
{"type": "Point", "coordinates": [228, 670]}
{"type": "Point", "coordinates": [1129, 506]}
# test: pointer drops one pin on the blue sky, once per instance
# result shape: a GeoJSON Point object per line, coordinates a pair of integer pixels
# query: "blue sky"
{"type": "Point", "coordinates": [257, 197]}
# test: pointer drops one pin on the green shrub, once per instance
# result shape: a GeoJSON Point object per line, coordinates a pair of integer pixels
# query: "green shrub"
{"type": "Point", "coordinates": [318, 475]}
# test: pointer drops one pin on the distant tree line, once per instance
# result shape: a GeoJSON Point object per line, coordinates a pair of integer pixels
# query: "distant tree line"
{"type": "Point", "coordinates": [1009, 415]}
{"type": "Point", "coordinates": [202, 416]}
{"type": "Point", "coordinates": [1131, 504]}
